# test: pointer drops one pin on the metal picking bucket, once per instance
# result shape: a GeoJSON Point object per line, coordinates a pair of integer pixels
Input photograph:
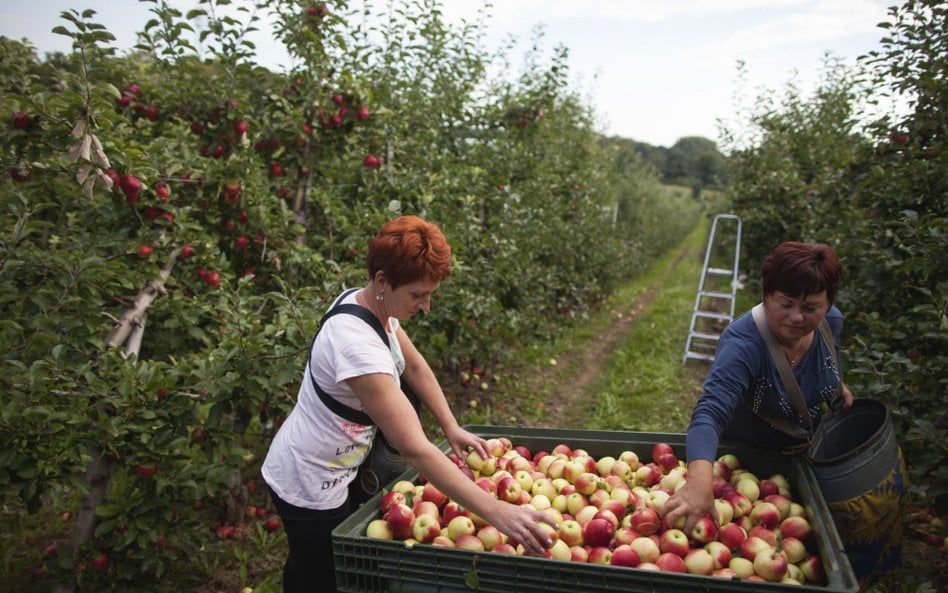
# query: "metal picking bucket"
{"type": "Point", "coordinates": [854, 451]}
{"type": "Point", "coordinates": [859, 467]}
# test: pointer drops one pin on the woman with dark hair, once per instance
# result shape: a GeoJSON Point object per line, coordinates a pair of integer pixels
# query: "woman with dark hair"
{"type": "Point", "coordinates": [318, 450]}
{"type": "Point", "coordinates": [744, 396]}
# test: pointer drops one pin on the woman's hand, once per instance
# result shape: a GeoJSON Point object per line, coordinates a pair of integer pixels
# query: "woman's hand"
{"type": "Point", "coordinates": [460, 440]}
{"type": "Point", "coordinates": [847, 397]}
{"type": "Point", "coordinates": [522, 525]}
{"type": "Point", "coordinates": [692, 500]}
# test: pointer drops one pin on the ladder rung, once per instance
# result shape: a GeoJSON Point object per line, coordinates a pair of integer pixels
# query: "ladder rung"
{"type": "Point", "coordinates": [705, 336]}
{"type": "Point", "coordinates": [715, 294]}
{"type": "Point", "coordinates": [695, 346]}
{"type": "Point", "coordinates": [721, 271]}
{"type": "Point", "coordinates": [699, 356]}
{"type": "Point", "coordinates": [710, 315]}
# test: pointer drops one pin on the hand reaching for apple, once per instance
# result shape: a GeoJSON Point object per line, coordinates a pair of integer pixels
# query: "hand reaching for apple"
{"type": "Point", "coordinates": [523, 524]}
{"type": "Point", "coordinates": [692, 500]}
{"type": "Point", "coordinates": [462, 441]}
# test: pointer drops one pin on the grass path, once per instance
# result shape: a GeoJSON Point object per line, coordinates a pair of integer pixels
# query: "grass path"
{"type": "Point", "coordinates": [621, 368]}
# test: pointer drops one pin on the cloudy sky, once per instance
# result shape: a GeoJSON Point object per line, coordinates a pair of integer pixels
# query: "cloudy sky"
{"type": "Point", "coordinates": [653, 70]}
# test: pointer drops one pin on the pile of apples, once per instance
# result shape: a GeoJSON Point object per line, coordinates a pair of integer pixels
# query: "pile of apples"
{"type": "Point", "coordinates": [608, 512]}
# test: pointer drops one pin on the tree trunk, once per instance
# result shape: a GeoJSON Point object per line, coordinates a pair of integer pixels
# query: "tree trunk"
{"type": "Point", "coordinates": [128, 331]}
{"type": "Point", "coordinates": [98, 475]}
{"type": "Point", "coordinates": [235, 500]}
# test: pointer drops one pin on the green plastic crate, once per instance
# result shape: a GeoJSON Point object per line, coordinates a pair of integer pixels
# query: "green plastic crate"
{"type": "Point", "coordinates": [366, 565]}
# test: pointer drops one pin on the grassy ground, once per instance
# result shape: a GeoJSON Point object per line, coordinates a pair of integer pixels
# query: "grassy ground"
{"type": "Point", "coordinates": [643, 385]}
{"type": "Point", "coordinates": [619, 369]}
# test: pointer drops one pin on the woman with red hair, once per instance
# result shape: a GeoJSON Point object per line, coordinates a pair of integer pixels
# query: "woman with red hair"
{"type": "Point", "coordinates": [353, 386]}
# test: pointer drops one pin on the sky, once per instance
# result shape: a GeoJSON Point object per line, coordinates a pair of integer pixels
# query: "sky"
{"type": "Point", "coordinates": [652, 70]}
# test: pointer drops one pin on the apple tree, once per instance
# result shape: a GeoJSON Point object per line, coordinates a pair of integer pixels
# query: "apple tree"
{"type": "Point", "coordinates": [815, 170]}
{"type": "Point", "coordinates": [177, 222]}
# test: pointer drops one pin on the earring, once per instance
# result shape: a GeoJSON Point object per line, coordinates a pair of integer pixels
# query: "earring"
{"type": "Point", "coordinates": [380, 297]}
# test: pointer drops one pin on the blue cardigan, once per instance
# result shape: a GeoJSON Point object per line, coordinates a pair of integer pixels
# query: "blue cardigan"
{"type": "Point", "coordinates": [744, 376]}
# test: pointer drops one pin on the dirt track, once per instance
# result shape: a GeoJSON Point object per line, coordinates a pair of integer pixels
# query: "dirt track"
{"type": "Point", "coordinates": [586, 363]}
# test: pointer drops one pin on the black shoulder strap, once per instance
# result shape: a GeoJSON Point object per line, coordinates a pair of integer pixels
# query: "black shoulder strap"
{"type": "Point", "coordinates": [360, 312]}
{"type": "Point", "coordinates": [337, 407]}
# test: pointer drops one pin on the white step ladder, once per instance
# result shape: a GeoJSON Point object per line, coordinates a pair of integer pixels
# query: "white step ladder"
{"type": "Point", "coordinates": [714, 303]}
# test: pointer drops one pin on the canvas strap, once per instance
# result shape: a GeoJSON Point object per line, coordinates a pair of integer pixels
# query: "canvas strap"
{"type": "Point", "coordinates": [789, 381]}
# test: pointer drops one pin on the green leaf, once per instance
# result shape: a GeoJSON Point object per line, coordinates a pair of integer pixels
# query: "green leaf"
{"type": "Point", "coordinates": [110, 88]}
{"type": "Point", "coordinates": [214, 416]}
{"type": "Point", "coordinates": [130, 535]}
{"type": "Point", "coordinates": [105, 527]}
{"type": "Point", "coordinates": [470, 577]}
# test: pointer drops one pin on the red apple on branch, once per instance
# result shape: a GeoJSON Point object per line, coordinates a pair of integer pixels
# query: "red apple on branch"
{"type": "Point", "coordinates": [100, 562]}
{"type": "Point", "coordinates": [20, 121]}
{"type": "Point", "coordinates": [131, 187]}
{"type": "Point", "coordinates": [147, 470]}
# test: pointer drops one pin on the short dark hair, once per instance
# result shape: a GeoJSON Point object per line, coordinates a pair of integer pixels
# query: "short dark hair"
{"type": "Point", "coordinates": [801, 269]}
{"type": "Point", "coordinates": [407, 249]}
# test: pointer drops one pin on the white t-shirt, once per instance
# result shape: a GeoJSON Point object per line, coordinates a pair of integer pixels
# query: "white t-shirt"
{"type": "Point", "coordinates": [316, 454]}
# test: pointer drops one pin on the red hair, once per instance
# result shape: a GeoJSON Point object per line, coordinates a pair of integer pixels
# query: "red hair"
{"type": "Point", "coordinates": [801, 269]}
{"type": "Point", "coordinates": [407, 249]}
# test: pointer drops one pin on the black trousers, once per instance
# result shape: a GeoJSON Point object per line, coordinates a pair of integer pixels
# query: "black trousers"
{"type": "Point", "coordinates": [309, 567]}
